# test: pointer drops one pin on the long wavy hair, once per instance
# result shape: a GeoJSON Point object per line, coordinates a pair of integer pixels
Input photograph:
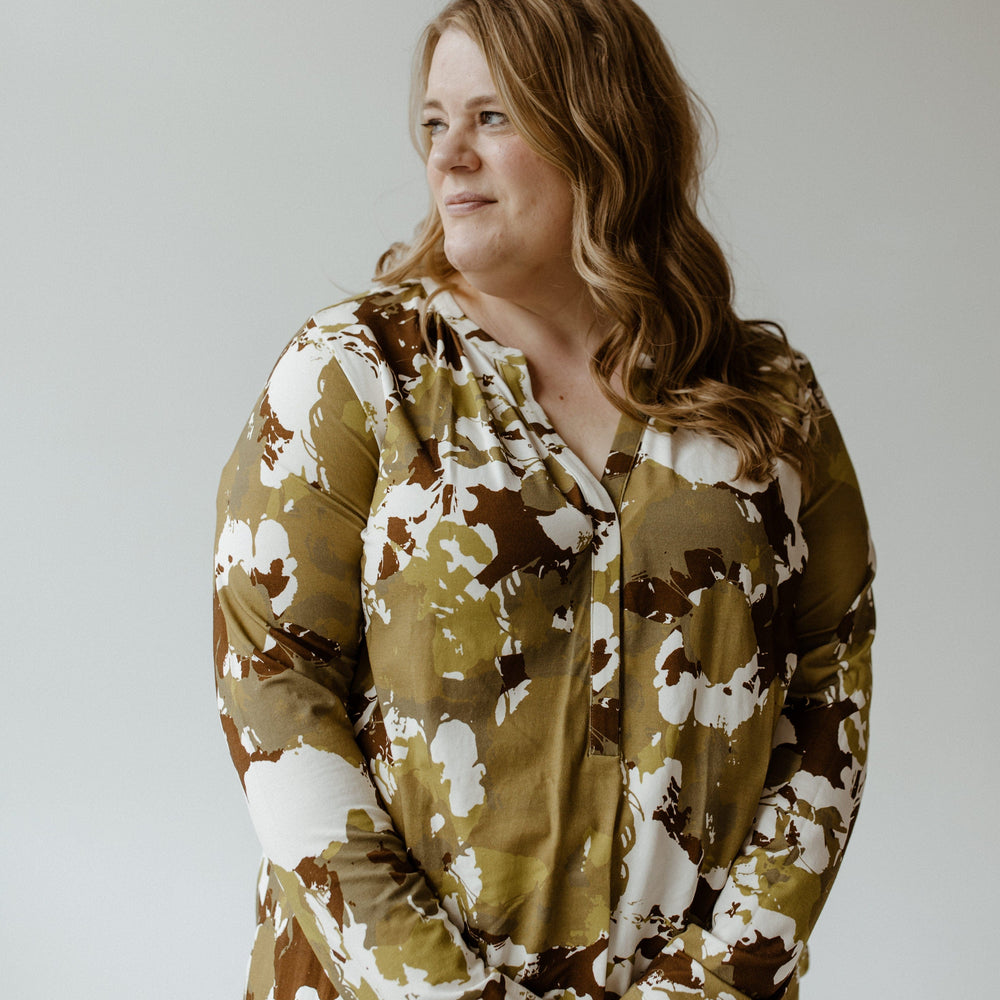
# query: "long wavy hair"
{"type": "Point", "coordinates": [590, 86]}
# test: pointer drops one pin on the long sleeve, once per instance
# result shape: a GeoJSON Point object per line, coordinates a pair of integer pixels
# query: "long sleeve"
{"type": "Point", "coordinates": [779, 882]}
{"type": "Point", "coordinates": [293, 505]}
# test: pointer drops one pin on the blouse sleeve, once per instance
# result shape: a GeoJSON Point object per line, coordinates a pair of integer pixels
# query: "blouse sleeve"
{"type": "Point", "coordinates": [293, 503]}
{"type": "Point", "coordinates": [777, 886]}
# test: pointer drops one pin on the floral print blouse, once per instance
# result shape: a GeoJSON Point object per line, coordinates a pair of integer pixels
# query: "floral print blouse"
{"type": "Point", "coordinates": [508, 730]}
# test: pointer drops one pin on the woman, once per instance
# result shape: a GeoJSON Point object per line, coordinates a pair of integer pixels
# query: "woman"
{"type": "Point", "coordinates": [543, 580]}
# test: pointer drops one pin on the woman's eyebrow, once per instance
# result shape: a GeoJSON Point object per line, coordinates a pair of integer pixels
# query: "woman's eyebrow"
{"type": "Point", "coordinates": [471, 104]}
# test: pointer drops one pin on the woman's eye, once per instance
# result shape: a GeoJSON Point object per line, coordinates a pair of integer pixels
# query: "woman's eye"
{"type": "Point", "coordinates": [493, 118]}
{"type": "Point", "coordinates": [433, 126]}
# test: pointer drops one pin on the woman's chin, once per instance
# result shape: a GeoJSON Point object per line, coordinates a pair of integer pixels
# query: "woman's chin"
{"type": "Point", "coordinates": [467, 260]}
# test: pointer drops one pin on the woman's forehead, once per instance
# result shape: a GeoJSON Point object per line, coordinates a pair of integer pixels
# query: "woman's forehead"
{"type": "Point", "coordinates": [458, 62]}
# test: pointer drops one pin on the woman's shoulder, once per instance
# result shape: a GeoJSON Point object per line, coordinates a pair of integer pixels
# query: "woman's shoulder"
{"type": "Point", "coordinates": [375, 309]}
{"type": "Point", "coordinates": [361, 347]}
{"type": "Point", "coordinates": [377, 329]}
{"type": "Point", "coordinates": [785, 375]}
{"type": "Point", "coordinates": [365, 329]}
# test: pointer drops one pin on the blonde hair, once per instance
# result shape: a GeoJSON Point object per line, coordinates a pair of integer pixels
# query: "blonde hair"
{"type": "Point", "coordinates": [590, 86]}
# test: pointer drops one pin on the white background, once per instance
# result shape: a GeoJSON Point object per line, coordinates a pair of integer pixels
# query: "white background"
{"type": "Point", "coordinates": [183, 183]}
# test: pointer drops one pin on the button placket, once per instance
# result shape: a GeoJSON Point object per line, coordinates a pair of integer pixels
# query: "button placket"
{"type": "Point", "coordinates": [605, 637]}
{"type": "Point", "coordinates": [604, 721]}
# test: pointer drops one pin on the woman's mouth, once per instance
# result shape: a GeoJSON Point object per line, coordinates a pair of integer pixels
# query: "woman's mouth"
{"type": "Point", "coordinates": [466, 202]}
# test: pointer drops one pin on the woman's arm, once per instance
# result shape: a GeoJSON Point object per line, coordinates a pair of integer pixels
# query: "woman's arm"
{"type": "Point", "coordinates": [778, 884]}
{"type": "Point", "coordinates": [293, 502]}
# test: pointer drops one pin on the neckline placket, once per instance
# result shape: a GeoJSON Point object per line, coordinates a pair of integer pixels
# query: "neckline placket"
{"type": "Point", "coordinates": [601, 500]}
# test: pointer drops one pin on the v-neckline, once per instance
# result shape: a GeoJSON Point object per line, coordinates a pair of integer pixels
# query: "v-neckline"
{"type": "Point", "coordinates": [604, 491]}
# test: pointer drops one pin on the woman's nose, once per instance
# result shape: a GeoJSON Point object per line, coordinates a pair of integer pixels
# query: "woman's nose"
{"type": "Point", "coordinates": [454, 150]}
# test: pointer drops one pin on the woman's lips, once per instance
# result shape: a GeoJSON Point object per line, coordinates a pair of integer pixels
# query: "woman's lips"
{"type": "Point", "coordinates": [466, 203]}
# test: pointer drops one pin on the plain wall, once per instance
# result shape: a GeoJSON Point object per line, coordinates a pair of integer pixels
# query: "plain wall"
{"type": "Point", "coordinates": [183, 183]}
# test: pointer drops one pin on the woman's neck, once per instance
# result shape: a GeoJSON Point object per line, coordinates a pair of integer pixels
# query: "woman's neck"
{"type": "Point", "coordinates": [558, 337]}
{"type": "Point", "coordinates": [553, 322]}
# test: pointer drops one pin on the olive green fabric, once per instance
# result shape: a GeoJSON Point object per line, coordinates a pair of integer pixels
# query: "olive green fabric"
{"type": "Point", "coordinates": [505, 729]}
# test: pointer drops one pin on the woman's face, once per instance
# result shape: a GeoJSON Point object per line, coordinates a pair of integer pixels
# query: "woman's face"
{"type": "Point", "coordinates": [507, 213]}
